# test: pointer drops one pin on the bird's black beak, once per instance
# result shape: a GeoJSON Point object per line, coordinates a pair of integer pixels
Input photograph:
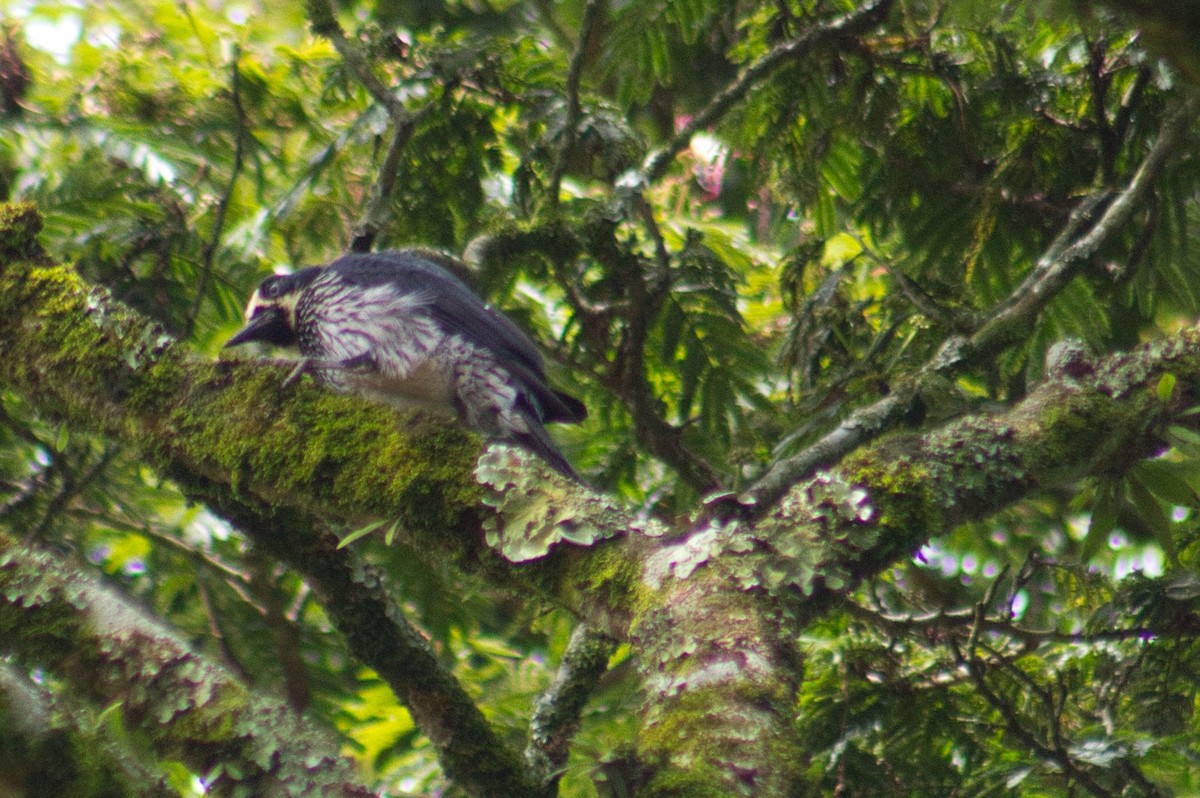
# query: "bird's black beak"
{"type": "Point", "coordinates": [268, 325]}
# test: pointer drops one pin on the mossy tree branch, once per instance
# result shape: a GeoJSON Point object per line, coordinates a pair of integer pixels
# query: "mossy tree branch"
{"type": "Point", "coordinates": [78, 330]}
{"type": "Point", "coordinates": [557, 712]}
{"type": "Point", "coordinates": [1087, 418]}
{"type": "Point", "coordinates": [51, 745]}
{"type": "Point", "coordinates": [89, 361]}
{"type": "Point", "coordinates": [470, 751]}
{"type": "Point", "coordinates": [710, 612]}
{"type": "Point", "coordinates": [717, 678]}
{"type": "Point", "coordinates": [61, 619]}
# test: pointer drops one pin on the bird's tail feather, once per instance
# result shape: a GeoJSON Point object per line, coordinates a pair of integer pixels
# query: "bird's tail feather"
{"type": "Point", "coordinates": [570, 411]}
{"type": "Point", "coordinates": [544, 402]}
{"type": "Point", "coordinates": [537, 440]}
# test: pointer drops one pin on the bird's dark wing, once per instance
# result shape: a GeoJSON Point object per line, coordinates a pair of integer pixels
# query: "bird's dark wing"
{"type": "Point", "coordinates": [451, 302]}
{"type": "Point", "coordinates": [458, 309]}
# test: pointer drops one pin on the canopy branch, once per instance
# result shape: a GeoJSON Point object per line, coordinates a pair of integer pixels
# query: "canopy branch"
{"type": "Point", "coordinates": [1005, 326]}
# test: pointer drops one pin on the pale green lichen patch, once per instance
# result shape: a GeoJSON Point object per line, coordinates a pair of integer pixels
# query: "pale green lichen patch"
{"type": "Point", "coordinates": [818, 525]}
{"type": "Point", "coordinates": [537, 509]}
{"type": "Point", "coordinates": [838, 514]}
{"type": "Point", "coordinates": [681, 559]}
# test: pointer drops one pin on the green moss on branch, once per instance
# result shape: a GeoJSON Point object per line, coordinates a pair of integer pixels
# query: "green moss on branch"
{"type": "Point", "coordinates": [86, 634]}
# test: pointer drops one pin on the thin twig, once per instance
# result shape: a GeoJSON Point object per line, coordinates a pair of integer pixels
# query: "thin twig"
{"type": "Point", "coordinates": [378, 206]}
{"type": "Point", "coordinates": [661, 256]}
{"type": "Point", "coordinates": [71, 486]}
{"type": "Point", "coordinates": [980, 612]}
{"type": "Point", "coordinates": [235, 171]}
{"type": "Point", "coordinates": [235, 579]}
{"type": "Point", "coordinates": [862, 18]}
{"type": "Point", "coordinates": [545, 16]}
{"type": "Point", "coordinates": [627, 375]}
{"type": "Point", "coordinates": [1131, 101]}
{"type": "Point", "coordinates": [917, 296]}
{"type": "Point", "coordinates": [1017, 727]}
{"type": "Point", "coordinates": [1055, 269]}
{"type": "Point", "coordinates": [661, 438]}
{"type": "Point", "coordinates": [1099, 81]}
{"type": "Point", "coordinates": [325, 23]}
{"type": "Point", "coordinates": [917, 626]}
{"type": "Point", "coordinates": [229, 657]}
{"type": "Point", "coordinates": [591, 12]}
{"type": "Point", "coordinates": [285, 633]}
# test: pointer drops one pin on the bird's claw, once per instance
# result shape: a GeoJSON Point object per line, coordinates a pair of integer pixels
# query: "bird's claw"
{"type": "Point", "coordinates": [296, 373]}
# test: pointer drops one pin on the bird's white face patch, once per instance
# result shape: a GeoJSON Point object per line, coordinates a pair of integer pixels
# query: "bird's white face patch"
{"type": "Point", "coordinates": [287, 303]}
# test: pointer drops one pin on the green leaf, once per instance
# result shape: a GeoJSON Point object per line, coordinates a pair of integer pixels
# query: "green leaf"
{"type": "Point", "coordinates": [361, 532]}
{"type": "Point", "coordinates": [391, 533]}
{"type": "Point", "coordinates": [1165, 387]}
{"type": "Point", "coordinates": [1153, 516]}
{"type": "Point", "coordinates": [1184, 439]}
{"type": "Point", "coordinates": [1162, 479]}
{"type": "Point", "coordinates": [1103, 520]}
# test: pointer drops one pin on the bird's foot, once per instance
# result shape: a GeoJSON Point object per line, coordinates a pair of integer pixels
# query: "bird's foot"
{"type": "Point", "coordinates": [302, 366]}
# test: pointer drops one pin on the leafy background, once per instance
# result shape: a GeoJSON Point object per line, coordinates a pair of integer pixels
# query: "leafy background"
{"type": "Point", "coordinates": [811, 247]}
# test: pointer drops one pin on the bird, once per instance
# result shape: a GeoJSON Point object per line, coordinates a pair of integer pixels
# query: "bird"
{"type": "Point", "coordinates": [397, 327]}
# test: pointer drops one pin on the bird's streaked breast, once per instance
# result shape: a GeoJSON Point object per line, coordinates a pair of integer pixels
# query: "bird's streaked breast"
{"type": "Point", "coordinates": [340, 321]}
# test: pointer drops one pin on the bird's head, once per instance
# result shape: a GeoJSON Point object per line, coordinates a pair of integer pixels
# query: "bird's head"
{"type": "Point", "coordinates": [271, 312]}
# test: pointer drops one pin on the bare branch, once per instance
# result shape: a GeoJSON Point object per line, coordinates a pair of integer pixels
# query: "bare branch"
{"type": "Point", "coordinates": [929, 307]}
{"type": "Point", "coordinates": [979, 612]}
{"type": "Point", "coordinates": [325, 23]}
{"type": "Point", "coordinates": [918, 626]}
{"type": "Point", "coordinates": [1062, 261]}
{"type": "Point", "coordinates": [863, 425]}
{"type": "Point", "coordinates": [71, 485]}
{"type": "Point", "coordinates": [216, 631]}
{"type": "Point", "coordinates": [379, 205]}
{"type": "Point", "coordinates": [235, 579]}
{"type": "Point", "coordinates": [662, 257]}
{"type": "Point", "coordinates": [285, 633]}
{"type": "Point", "coordinates": [1018, 727]}
{"type": "Point", "coordinates": [627, 377]}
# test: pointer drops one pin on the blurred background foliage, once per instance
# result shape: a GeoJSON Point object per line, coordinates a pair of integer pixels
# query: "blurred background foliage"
{"type": "Point", "coordinates": [815, 243]}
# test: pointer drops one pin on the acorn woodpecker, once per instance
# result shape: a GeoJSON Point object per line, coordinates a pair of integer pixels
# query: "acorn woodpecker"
{"type": "Point", "coordinates": [397, 327]}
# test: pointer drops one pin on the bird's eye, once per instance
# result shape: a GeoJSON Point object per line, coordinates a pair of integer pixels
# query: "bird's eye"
{"type": "Point", "coordinates": [269, 289]}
